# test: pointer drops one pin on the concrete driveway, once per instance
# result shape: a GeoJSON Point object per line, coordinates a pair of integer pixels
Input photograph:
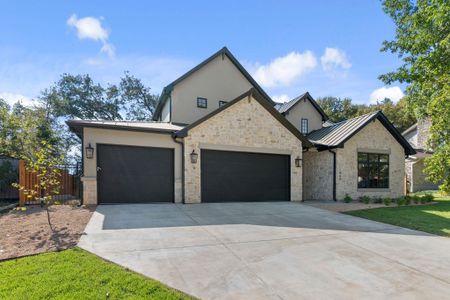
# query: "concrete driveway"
{"type": "Point", "coordinates": [270, 251]}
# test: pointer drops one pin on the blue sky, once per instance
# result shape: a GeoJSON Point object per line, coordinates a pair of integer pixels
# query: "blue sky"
{"type": "Point", "coordinates": [324, 47]}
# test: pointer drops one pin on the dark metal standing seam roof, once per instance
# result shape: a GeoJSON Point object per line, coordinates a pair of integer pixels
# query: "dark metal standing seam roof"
{"type": "Point", "coordinates": [336, 135]}
{"type": "Point", "coordinates": [285, 107]}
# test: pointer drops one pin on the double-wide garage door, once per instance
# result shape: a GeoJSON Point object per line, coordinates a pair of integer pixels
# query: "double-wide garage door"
{"type": "Point", "coordinates": [128, 174]}
{"type": "Point", "coordinates": [242, 176]}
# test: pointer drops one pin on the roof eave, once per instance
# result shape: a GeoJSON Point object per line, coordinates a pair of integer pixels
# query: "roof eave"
{"type": "Point", "coordinates": [77, 127]}
{"type": "Point", "coordinates": [264, 102]}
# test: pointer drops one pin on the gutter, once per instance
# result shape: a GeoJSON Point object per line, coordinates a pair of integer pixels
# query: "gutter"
{"type": "Point", "coordinates": [174, 137]}
{"type": "Point", "coordinates": [334, 174]}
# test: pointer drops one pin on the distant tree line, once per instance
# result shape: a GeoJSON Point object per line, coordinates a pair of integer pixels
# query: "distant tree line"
{"type": "Point", "coordinates": [339, 109]}
{"type": "Point", "coordinates": [23, 129]}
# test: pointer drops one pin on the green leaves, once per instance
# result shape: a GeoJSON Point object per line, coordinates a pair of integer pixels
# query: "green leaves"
{"type": "Point", "coordinates": [78, 96]}
{"type": "Point", "coordinates": [341, 109]}
{"type": "Point", "coordinates": [423, 42]}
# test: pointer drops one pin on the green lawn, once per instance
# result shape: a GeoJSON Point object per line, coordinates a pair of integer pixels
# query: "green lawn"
{"type": "Point", "coordinates": [76, 274]}
{"type": "Point", "coordinates": [433, 218]}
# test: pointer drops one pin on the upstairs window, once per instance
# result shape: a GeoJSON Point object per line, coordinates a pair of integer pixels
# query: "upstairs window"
{"type": "Point", "coordinates": [373, 170]}
{"type": "Point", "coordinates": [202, 102]}
{"type": "Point", "coordinates": [222, 103]}
{"type": "Point", "coordinates": [304, 126]}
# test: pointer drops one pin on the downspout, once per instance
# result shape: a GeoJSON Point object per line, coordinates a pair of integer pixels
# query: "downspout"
{"type": "Point", "coordinates": [303, 168]}
{"type": "Point", "coordinates": [182, 166]}
{"type": "Point", "coordinates": [82, 168]}
{"type": "Point", "coordinates": [334, 174]}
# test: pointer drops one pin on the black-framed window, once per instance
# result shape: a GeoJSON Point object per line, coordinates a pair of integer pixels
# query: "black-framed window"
{"type": "Point", "coordinates": [202, 102]}
{"type": "Point", "coordinates": [222, 103]}
{"type": "Point", "coordinates": [304, 126]}
{"type": "Point", "coordinates": [373, 170]}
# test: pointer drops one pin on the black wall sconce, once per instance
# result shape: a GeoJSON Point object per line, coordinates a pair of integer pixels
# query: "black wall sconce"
{"type": "Point", "coordinates": [194, 157]}
{"type": "Point", "coordinates": [298, 162]}
{"type": "Point", "coordinates": [89, 151]}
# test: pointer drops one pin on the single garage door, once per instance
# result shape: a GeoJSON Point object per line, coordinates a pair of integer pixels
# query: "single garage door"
{"type": "Point", "coordinates": [242, 176]}
{"type": "Point", "coordinates": [128, 174]}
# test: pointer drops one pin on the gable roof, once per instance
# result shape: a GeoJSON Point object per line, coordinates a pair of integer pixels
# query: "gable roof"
{"type": "Point", "coordinates": [410, 129]}
{"type": "Point", "coordinates": [285, 107]}
{"type": "Point", "coordinates": [76, 126]}
{"type": "Point", "coordinates": [336, 135]}
{"type": "Point", "coordinates": [264, 102]}
{"type": "Point", "coordinates": [224, 51]}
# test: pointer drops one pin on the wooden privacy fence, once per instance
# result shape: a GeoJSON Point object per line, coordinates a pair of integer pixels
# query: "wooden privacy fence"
{"type": "Point", "coordinates": [69, 185]}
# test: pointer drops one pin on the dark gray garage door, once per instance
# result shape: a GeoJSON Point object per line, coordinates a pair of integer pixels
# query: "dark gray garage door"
{"type": "Point", "coordinates": [127, 174]}
{"type": "Point", "coordinates": [241, 176]}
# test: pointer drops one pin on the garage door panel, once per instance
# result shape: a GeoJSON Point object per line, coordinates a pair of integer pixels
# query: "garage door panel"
{"type": "Point", "coordinates": [241, 176]}
{"type": "Point", "coordinates": [134, 174]}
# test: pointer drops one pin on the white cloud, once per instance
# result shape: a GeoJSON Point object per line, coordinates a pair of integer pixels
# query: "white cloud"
{"type": "Point", "coordinates": [333, 59]}
{"type": "Point", "coordinates": [91, 28]}
{"type": "Point", "coordinates": [281, 98]}
{"type": "Point", "coordinates": [282, 71]}
{"type": "Point", "coordinates": [394, 93]}
{"type": "Point", "coordinates": [12, 98]}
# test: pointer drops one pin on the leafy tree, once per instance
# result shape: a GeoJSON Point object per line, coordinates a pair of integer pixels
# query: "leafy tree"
{"type": "Point", "coordinates": [78, 96]}
{"type": "Point", "coordinates": [422, 42]}
{"type": "Point", "coordinates": [141, 102]}
{"type": "Point", "coordinates": [338, 109]}
{"type": "Point", "coordinates": [27, 134]}
{"type": "Point", "coordinates": [45, 163]}
{"type": "Point", "coordinates": [342, 109]}
{"type": "Point", "coordinates": [398, 113]}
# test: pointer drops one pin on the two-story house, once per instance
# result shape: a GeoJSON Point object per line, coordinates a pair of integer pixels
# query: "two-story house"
{"type": "Point", "coordinates": [216, 136]}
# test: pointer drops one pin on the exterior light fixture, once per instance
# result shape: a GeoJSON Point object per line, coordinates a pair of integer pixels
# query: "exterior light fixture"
{"type": "Point", "coordinates": [194, 157]}
{"type": "Point", "coordinates": [89, 151]}
{"type": "Point", "coordinates": [298, 162]}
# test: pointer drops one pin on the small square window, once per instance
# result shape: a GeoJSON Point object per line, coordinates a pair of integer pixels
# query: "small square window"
{"type": "Point", "coordinates": [222, 103]}
{"type": "Point", "coordinates": [202, 102]}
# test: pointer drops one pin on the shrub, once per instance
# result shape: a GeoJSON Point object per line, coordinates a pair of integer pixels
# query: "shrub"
{"type": "Point", "coordinates": [377, 200]}
{"type": "Point", "coordinates": [387, 201]}
{"type": "Point", "coordinates": [407, 200]}
{"type": "Point", "coordinates": [364, 199]}
{"type": "Point", "coordinates": [347, 198]}
{"type": "Point", "coordinates": [416, 199]}
{"type": "Point", "coordinates": [423, 200]}
{"type": "Point", "coordinates": [428, 198]}
{"type": "Point", "coordinates": [400, 201]}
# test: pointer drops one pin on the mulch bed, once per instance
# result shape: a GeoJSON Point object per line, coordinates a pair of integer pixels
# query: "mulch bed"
{"type": "Point", "coordinates": [28, 232]}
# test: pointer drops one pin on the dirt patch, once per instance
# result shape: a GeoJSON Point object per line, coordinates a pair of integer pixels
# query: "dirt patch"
{"type": "Point", "coordinates": [27, 232]}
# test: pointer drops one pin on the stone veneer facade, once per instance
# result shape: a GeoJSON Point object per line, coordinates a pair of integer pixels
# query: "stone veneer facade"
{"type": "Point", "coordinates": [374, 138]}
{"type": "Point", "coordinates": [317, 175]}
{"type": "Point", "coordinates": [244, 126]}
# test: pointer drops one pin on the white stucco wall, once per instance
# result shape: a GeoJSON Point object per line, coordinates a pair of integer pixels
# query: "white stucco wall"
{"type": "Point", "coordinates": [245, 126]}
{"type": "Point", "coordinates": [373, 138]}
{"type": "Point", "coordinates": [96, 136]}
{"type": "Point", "coordinates": [165, 112]}
{"type": "Point", "coordinates": [304, 109]}
{"type": "Point", "coordinates": [219, 80]}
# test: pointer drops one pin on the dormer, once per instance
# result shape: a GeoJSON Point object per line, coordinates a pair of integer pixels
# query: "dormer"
{"type": "Point", "coordinates": [304, 113]}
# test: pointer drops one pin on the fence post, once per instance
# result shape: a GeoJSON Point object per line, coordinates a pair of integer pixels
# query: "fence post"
{"type": "Point", "coordinates": [22, 178]}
